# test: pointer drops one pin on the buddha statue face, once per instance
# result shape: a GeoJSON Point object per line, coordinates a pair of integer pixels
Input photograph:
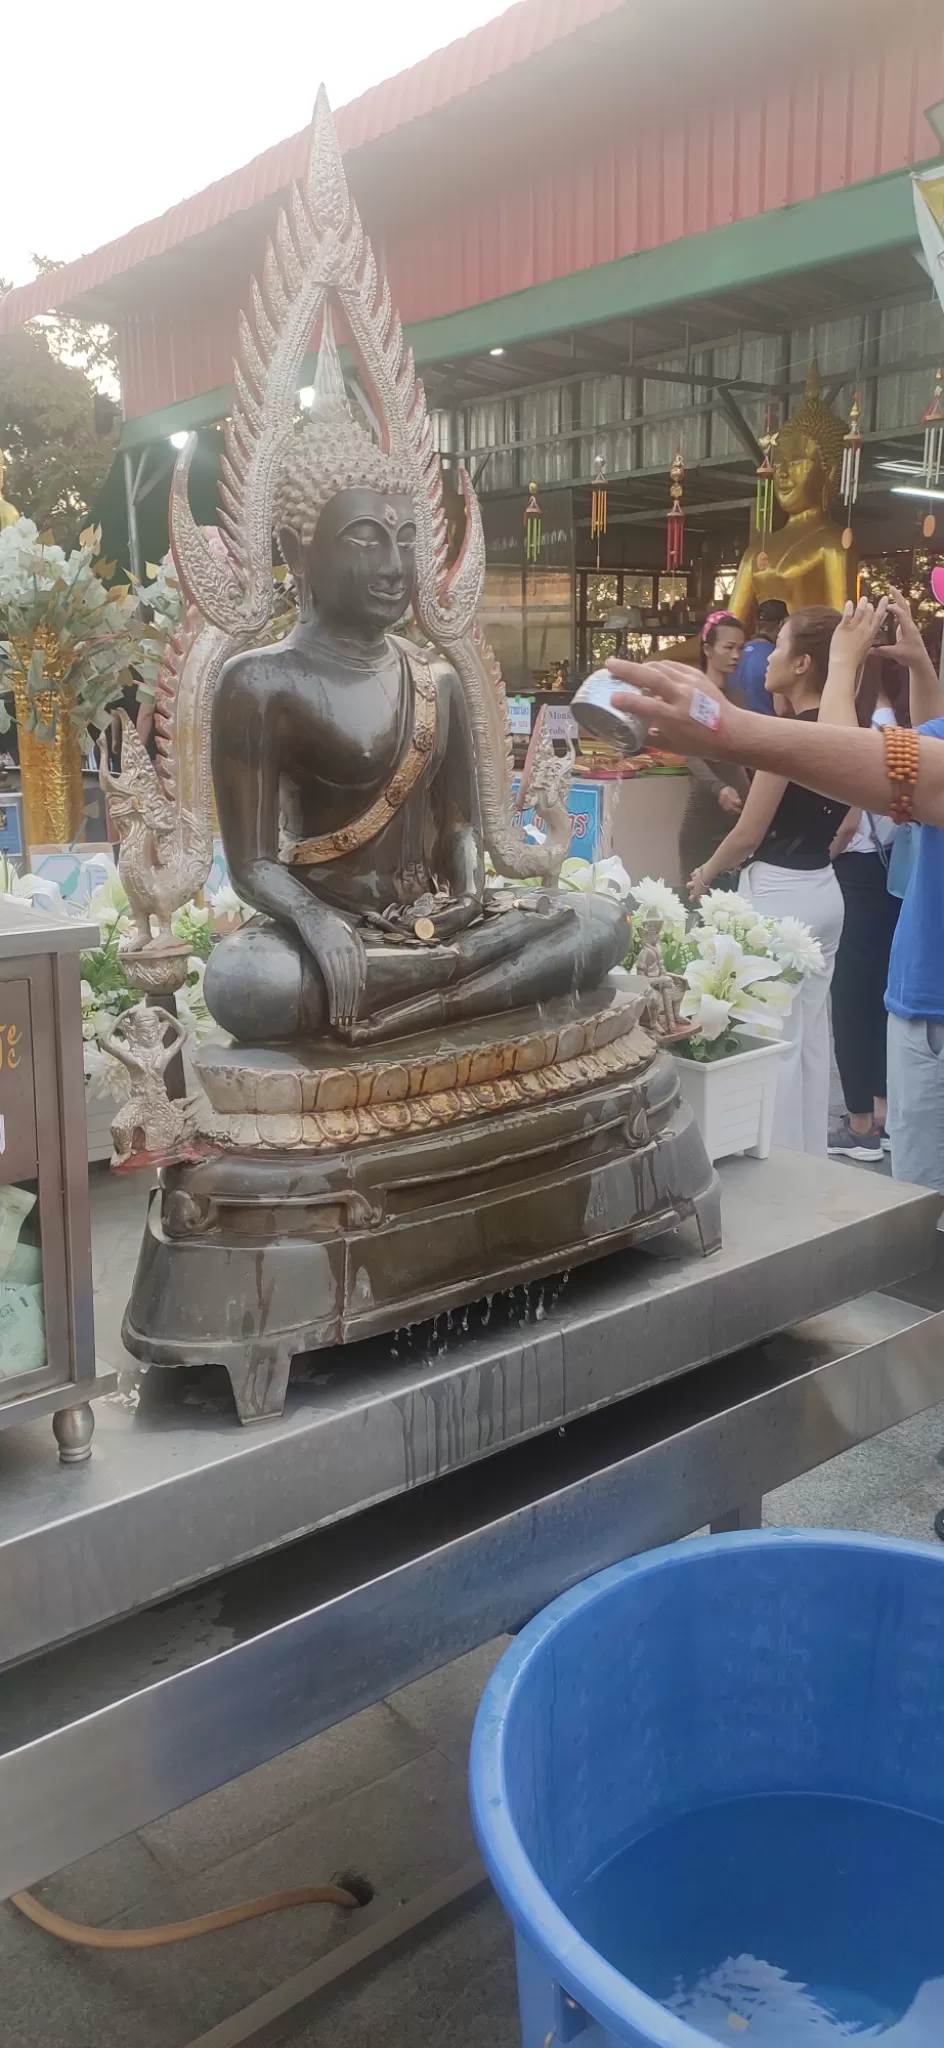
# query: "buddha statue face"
{"type": "Point", "coordinates": [360, 564]}
{"type": "Point", "coordinates": [801, 481]}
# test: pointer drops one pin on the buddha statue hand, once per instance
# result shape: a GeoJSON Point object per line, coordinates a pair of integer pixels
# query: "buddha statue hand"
{"type": "Point", "coordinates": [338, 953]}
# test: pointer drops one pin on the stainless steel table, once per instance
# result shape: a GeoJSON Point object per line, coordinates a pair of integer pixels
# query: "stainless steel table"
{"type": "Point", "coordinates": [407, 1507]}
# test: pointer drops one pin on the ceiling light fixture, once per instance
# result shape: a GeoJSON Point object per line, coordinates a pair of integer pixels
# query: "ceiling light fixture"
{"type": "Point", "coordinates": [915, 491]}
{"type": "Point", "coordinates": [496, 351]}
{"type": "Point", "coordinates": [179, 440]}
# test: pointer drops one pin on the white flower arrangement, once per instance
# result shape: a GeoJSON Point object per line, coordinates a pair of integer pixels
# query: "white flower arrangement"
{"type": "Point", "coordinates": [730, 990]}
{"type": "Point", "coordinates": [51, 602]}
{"type": "Point", "coordinates": [741, 970]}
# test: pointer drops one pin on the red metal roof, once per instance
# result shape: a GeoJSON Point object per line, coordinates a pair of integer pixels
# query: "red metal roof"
{"type": "Point", "coordinates": [575, 198]}
{"type": "Point", "coordinates": [520, 33]}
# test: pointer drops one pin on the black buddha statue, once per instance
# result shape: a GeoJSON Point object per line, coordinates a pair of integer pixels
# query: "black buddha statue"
{"type": "Point", "coordinates": [344, 770]}
{"type": "Point", "coordinates": [429, 1090]}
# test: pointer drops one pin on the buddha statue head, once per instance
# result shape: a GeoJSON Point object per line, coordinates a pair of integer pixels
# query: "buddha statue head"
{"type": "Point", "coordinates": [808, 454]}
{"type": "Point", "coordinates": [345, 515]}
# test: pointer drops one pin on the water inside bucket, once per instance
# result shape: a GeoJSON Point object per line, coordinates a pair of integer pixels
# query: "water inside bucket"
{"type": "Point", "coordinates": [791, 1921]}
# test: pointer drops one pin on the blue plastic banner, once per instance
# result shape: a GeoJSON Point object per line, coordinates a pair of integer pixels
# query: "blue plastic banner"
{"type": "Point", "coordinates": [585, 805]}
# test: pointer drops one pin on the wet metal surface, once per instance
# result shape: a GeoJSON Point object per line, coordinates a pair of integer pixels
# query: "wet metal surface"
{"type": "Point", "coordinates": [109, 1732]}
{"type": "Point", "coordinates": [177, 1493]}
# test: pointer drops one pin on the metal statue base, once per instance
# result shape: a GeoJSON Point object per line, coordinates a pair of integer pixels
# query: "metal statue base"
{"type": "Point", "coordinates": [261, 1252]}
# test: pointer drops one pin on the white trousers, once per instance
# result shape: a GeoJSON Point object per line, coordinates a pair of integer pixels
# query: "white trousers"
{"type": "Point", "coordinates": [801, 1116]}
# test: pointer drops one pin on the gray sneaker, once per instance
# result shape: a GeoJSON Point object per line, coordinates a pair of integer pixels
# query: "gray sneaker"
{"type": "Point", "coordinates": [845, 1143]}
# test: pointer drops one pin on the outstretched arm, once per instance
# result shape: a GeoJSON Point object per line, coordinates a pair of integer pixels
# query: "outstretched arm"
{"type": "Point", "coordinates": [845, 764]}
{"type": "Point", "coordinates": [853, 639]}
{"type": "Point", "coordinates": [925, 694]}
{"type": "Point", "coordinates": [744, 838]}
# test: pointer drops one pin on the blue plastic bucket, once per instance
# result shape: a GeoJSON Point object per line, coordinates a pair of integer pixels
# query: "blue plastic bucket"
{"type": "Point", "coordinates": [762, 1664]}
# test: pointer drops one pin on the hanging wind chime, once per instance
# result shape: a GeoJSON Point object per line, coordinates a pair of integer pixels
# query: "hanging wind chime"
{"type": "Point", "coordinates": [675, 524]}
{"type": "Point", "coordinates": [533, 526]}
{"type": "Point", "coordinates": [933, 424]}
{"type": "Point", "coordinates": [598, 502]}
{"type": "Point", "coordinates": [764, 506]}
{"type": "Point", "coordinates": [851, 459]}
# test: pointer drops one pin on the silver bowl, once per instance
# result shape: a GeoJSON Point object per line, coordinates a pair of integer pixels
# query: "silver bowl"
{"type": "Point", "coordinates": [596, 714]}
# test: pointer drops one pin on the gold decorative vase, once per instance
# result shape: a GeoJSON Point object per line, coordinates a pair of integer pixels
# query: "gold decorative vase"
{"type": "Point", "coordinates": [50, 770]}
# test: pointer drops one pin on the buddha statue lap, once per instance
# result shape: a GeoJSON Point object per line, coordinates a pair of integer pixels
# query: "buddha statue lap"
{"type": "Point", "coordinates": [430, 1089]}
{"type": "Point", "coordinates": [803, 562]}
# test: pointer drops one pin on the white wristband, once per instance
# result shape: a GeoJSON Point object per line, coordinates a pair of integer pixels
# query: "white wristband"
{"type": "Point", "coordinates": [705, 710]}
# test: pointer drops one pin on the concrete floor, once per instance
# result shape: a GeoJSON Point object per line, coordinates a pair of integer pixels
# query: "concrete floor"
{"type": "Point", "coordinates": [383, 1793]}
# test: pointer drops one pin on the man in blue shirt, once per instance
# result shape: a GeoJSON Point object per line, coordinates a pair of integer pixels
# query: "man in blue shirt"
{"type": "Point", "coordinates": [750, 676]}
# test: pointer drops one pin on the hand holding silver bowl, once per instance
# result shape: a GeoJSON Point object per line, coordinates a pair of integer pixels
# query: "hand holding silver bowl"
{"type": "Point", "coordinates": [595, 713]}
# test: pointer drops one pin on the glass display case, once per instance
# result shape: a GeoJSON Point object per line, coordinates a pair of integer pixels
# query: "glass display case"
{"type": "Point", "coordinates": [47, 1342]}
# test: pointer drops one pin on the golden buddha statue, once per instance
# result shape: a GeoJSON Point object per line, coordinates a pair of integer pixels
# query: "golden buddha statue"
{"type": "Point", "coordinates": [8, 513]}
{"type": "Point", "coordinates": [803, 562]}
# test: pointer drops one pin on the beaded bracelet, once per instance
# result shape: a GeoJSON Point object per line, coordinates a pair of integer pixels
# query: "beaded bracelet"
{"type": "Point", "coordinates": [901, 763]}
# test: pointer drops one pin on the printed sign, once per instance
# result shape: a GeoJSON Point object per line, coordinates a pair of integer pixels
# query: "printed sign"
{"type": "Point", "coordinates": [11, 825]}
{"type": "Point", "coordinates": [586, 813]}
{"type": "Point", "coordinates": [74, 871]}
{"type": "Point", "coordinates": [560, 722]}
{"type": "Point", "coordinates": [519, 717]}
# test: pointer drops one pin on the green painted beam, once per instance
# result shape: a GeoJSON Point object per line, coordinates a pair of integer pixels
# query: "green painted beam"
{"type": "Point", "coordinates": [832, 228]}
{"type": "Point", "coordinates": [187, 416]}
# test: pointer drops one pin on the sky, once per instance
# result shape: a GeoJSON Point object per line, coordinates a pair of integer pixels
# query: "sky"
{"type": "Point", "coordinates": [111, 117]}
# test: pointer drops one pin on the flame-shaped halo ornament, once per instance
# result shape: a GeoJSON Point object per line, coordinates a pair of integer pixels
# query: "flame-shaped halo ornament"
{"type": "Point", "coordinates": [319, 258]}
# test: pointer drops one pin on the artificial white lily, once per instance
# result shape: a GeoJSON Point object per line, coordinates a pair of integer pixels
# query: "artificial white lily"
{"type": "Point", "coordinates": [725, 993]}
{"type": "Point", "coordinates": [597, 878]}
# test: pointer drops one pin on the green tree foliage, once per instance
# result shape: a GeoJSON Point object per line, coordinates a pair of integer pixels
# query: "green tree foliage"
{"type": "Point", "coordinates": [52, 417]}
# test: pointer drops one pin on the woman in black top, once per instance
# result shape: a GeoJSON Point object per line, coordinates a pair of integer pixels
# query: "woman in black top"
{"type": "Point", "coordinates": [784, 834]}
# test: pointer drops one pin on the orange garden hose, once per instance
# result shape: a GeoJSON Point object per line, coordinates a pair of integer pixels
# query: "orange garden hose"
{"type": "Point", "coordinates": [349, 1892]}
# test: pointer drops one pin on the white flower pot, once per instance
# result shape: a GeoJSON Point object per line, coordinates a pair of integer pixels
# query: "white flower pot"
{"type": "Point", "coordinates": [732, 1100]}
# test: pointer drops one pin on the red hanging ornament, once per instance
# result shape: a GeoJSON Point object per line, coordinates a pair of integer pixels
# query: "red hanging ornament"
{"type": "Point", "coordinates": [675, 525]}
{"type": "Point", "coordinates": [598, 502]}
{"type": "Point", "coordinates": [933, 424]}
{"type": "Point", "coordinates": [533, 527]}
{"type": "Point", "coordinates": [849, 480]}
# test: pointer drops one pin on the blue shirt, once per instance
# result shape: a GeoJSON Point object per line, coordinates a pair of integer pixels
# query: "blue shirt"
{"type": "Point", "coordinates": [751, 674]}
{"type": "Point", "coordinates": [916, 968]}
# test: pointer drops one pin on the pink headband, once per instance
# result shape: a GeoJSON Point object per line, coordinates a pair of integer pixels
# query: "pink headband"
{"type": "Point", "coordinates": [712, 620]}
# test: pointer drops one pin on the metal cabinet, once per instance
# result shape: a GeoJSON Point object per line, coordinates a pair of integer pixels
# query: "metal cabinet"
{"type": "Point", "coordinates": [47, 1340]}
